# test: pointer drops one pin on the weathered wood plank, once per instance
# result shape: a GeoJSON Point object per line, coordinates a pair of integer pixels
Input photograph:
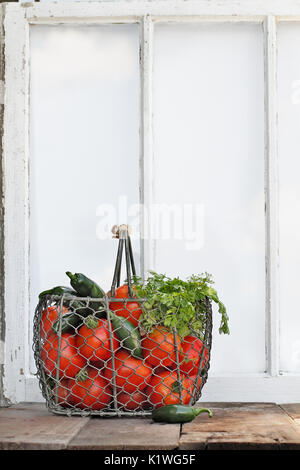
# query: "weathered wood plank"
{"type": "Point", "coordinates": [233, 426]}
{"type": "Point", "coordinates": [126, 433]}
{"type": "Point", "coordinates": [293, 410]}
{"type": "Point", "coordinates": [32, 426]}
{"type": "Point", "coordinates": [241, 426]}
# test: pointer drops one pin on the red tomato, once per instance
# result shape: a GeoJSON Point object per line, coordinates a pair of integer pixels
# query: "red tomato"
{"type": "Point", "coordinates": [98, 364]}
{"type": "Point", "coordinates": [131, 374]}
{"type": "Point", "coordinates": [190, 354]}
{"type": "Point", "coordinates": [94, 343]}
{"type": "Point", "coordinates": [90, 391]}
{"type": "Point", "coordinates": [49, 316]}
{"type": "Point", "coordinates": [163, 389]}
{"type": "Point", "coordinates": [131, 311]}
{"type": "Point", "coordinates": [158, 347]}
{"type": "Point", "coordinates": [63, 393]}
{"type": "Point", "coordinates": [70, 361]}
{"type": "Point", "coordinates": [120, 293]}
{"type": "Point", "coordinates": [194, 385]}
{"type": "Point", "coordinates": [132, 401]}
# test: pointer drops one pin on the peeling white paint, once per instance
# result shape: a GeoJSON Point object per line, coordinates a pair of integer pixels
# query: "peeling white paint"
{"type": "Point", "coordinates": [146, 158]}
{"type": "Point", "coordinates": [15, 163]}
{"type": "Point", "coordinates": [1, 92]}
{"type": "Point", "coordinates": [229, 10]}
{"type": "Point", "coordinates": [19, 387]}
{"type": "Point", "coordinates": [2, 355]}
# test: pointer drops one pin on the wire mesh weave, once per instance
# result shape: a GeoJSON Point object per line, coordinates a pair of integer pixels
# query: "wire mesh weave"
{"type": "Point", "coordinates": [86, 365]}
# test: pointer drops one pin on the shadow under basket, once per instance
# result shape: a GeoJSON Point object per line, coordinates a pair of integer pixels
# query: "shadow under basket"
{"type": "Point", "coordinates": [89, 363]}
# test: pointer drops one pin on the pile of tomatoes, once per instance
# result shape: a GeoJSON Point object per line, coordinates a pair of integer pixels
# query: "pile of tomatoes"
{"type": "Point", "coordinates": [85, 372]}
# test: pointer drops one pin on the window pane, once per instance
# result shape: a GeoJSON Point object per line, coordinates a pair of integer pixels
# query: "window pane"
{"type": "Point", "coordinates": [289, 193]}
{"type": "Point", "coordinates": [84, 147]}
{"type": "Point", "coordinates": [209, 150]}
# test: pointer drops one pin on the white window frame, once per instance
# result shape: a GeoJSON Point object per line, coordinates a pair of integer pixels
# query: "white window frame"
{"type": "Point", "coordinates": [18, 383]}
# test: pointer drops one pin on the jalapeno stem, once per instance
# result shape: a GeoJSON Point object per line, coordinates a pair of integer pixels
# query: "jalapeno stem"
{"type": "Point", "coordinates": [202, 410]}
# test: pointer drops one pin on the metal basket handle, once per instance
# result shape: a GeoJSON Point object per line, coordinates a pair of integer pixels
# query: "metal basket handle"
{"type": "Point", "coordinates": [122, 232]}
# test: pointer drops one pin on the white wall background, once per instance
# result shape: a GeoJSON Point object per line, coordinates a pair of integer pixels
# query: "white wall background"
{"type": "Point", "coordinates": [84, 148]}
{"type": "Point", "coordinates": [208, 150]}
{"type": "Point", "coordinates": [289, 195]}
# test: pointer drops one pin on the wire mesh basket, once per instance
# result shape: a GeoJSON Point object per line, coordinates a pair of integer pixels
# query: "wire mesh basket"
{"type": "Point", "coordinates": [93, 356]}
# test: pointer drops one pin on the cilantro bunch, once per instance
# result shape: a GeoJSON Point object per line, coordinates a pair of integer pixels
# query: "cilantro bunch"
{"type": "Point", "coordinates": [178, 304]}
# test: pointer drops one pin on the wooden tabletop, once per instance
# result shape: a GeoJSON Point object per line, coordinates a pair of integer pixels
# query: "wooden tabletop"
{"type": "Point", "coordinates": [233, 426]}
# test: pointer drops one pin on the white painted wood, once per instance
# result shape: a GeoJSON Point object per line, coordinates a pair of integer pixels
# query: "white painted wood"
{"type": "Point", "coordinates": [231, 9]}
{"type": "Point", "coordinates": [1, 90]}
{"type": "Point", "coordinates": [2, 354]}
{"type": "Point", "coordinates": [146, 163]}
{"type": "Point", "coordinates": [271, 198]}
{"type": "Point", "coordinates": [244, 8]}
{"type": "Point", "coordinates": [19, 384]}
{"type": "Point", "coordinates": [15, 161]}
{"type": "Point", "coordinates": [253, 388]}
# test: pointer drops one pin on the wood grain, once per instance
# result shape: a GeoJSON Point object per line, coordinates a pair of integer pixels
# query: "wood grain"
{"type": "Point", "coordinates": [233, 426]}
{"type": "Point", "coordinates": [241, 426]}
{"type": "Point", "coordinates": [126, 433]}
{"type": "Point", "coordinates": [32, 426]}
{"type": "Point", "coordinates": [293, 410]}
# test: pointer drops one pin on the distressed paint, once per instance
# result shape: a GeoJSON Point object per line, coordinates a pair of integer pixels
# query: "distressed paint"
{"type": "Point", "coordinates": [146, 142]}
{"type": "Point", "coordinates": [15, 161]}
{"type": "Point", "coordinates": [15, 157]}
{"type": "Point", "coordinates": [3, 399]}
{"type": "Point", "coordinates": [230, 10]}
{"type": "Point", "coordinates": [1, 91]}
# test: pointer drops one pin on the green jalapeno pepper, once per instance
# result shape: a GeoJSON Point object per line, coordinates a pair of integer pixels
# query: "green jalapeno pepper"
{"type": "Point", "coordinates": [128, 334]}
{"type": "Point", "coordinates": [58, 290]}
{"type": "Point", "coordinates": [177, 413]}
{"type": "Point", "coordinates": [85, 287]}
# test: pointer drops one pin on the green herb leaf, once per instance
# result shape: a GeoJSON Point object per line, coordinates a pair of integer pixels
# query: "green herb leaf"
{"type": "Point", "coordinates": [178, 304]}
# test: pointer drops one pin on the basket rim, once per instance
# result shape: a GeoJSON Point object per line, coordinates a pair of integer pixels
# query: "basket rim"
{"type": "Point", "coordinates": [93, 299]}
